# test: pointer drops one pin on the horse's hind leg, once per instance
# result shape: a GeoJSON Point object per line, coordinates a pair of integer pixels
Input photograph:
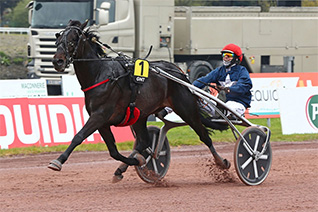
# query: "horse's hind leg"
{"type": "Point", "coordinates": [205, 138]}
{"type": "Point", "coordinates": [189, 112]}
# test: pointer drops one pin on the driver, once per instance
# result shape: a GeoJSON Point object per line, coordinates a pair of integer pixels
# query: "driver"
{"type": "Point", "coordinates": [232, 78]}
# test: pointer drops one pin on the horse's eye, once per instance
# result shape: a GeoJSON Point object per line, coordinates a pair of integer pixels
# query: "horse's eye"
{"type": "Point", "coordinates": [57, 35]}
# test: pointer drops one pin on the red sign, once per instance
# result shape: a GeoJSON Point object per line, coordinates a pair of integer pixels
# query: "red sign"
{"type": "Point", "coordinates": [47, 122]}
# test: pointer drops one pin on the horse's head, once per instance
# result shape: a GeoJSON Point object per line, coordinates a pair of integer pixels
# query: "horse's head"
{"type": "Point", "coordinates": [67, 43]}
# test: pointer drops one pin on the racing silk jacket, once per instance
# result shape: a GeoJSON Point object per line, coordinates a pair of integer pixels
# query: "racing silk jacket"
{"type": "Point", "coordinates": [236, 78]}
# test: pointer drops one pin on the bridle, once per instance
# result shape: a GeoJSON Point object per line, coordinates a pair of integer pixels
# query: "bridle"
{"type": "Point", "coordinates": [70, 58]}
{"type": "Point", "coordinates": [66, 44]}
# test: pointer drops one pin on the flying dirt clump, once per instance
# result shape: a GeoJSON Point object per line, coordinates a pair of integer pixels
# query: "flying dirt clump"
{"type": "Point", "coordinates": [216, 173]}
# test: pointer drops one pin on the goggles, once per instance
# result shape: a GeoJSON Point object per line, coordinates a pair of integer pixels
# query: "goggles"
{"type": "Point", "coordinates": [227, 54]}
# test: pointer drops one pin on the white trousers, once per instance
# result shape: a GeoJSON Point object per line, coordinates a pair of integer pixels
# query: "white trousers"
{"type": "Point", "coordinates": [236, 106]}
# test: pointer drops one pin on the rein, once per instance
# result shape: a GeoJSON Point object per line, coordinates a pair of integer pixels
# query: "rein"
{"type": "Point", "coordinates": [100, 59]}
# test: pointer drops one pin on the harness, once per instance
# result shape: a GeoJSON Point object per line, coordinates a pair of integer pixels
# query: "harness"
{"type": "Point", "coordinates": [94, 86]}
{"type": "Point", "coordinates": [132, 113]}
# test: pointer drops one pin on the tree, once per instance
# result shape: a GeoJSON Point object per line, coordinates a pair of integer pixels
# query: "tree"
{"type": "Point", "coordinates": [19, 15]}
{"type": "Point", "coordinates": [309, 3]}
{"type": "Point", "coordinates": [5, 7]}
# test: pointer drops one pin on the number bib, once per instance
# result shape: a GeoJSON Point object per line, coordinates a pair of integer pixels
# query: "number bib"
{"type": "Point", "coordinates": [141, 71]}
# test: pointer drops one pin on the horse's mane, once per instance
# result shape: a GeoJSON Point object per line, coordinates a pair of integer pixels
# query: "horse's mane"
{"type": "Point", "coordinates": [90, 35]}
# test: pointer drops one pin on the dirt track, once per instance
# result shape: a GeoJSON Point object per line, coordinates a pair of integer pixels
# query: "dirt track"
{"type": "Point", "coordinates": [84, 184]}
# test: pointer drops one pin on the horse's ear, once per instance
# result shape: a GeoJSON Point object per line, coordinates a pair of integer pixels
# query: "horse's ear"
{"type": "Point", "coordinates": [84, 24]}
{"type": "Point", "coordinates": [57, 35]}
{"type": "Point", "coordinates": [74, 23]}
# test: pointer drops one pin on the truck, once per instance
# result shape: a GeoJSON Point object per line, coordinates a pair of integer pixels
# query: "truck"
{"type": "Point", "coordinates": [281, 40]}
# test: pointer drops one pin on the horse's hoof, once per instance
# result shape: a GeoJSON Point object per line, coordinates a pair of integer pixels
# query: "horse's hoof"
{"type": "Point", "coordinates": [226, 164]}
{"type": "Point", "coordinates": [55, 165]}
{"type": "Point", "coordinates": [223, 164]}
{"type": "Point", "coordinates": [117, 178]}
{"type": "Point", "coordinates": [141, 159]}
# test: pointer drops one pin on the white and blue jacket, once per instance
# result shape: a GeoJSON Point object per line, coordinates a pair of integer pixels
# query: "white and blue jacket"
{"type": "Point", "coordinates": [236, 78]}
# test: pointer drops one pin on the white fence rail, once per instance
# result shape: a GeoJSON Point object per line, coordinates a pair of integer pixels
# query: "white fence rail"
{"type": "Point", "coordinates": [13, 30]}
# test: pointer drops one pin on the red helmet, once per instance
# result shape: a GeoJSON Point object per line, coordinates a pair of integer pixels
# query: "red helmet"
{"type": "Point", "coordinates": [232, 48]}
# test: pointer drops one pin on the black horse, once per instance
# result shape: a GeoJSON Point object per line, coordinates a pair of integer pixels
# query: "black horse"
{"type": "Point", "coordinates": [111, 94]}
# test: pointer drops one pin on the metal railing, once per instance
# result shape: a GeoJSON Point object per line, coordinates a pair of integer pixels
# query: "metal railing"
{"type": "Point", "coordinates": [13, 30]}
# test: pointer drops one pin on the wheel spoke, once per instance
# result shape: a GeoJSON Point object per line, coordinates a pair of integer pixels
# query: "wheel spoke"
{"type": "Point", "coordinates": [256, 143]}
{"type": "Point", "coordinates": [153, 145]}
{"type": "Point", "coordinates": [247, 149]}
{"type": "Point", "coordinates": [255, 168]}
{"type": "Point", "coordinates": [148, 159]}
{"type": "Point", "coordinates": [246, 163]}
{"type": "Point", "coordinates": [162, 153]}
{"type": "Point", "coordinates": [149, 151]}
{"type": "Point", "coordinates": [155, 168]}
{"type": "Point", "coordinates": [263, 157]}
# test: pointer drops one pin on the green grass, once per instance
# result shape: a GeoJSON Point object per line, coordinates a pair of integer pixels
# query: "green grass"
{"type": "Point", "coordinates": [176, 136]}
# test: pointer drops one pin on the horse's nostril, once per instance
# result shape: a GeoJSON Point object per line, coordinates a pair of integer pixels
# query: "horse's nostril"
{"type": "Point", "coordinates": [60, 62]}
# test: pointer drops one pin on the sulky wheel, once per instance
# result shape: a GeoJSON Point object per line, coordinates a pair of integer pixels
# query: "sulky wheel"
{"type": "Point", "coordinates": [252, 170]}
{"type": "Point", "coordinates": [155, 169]}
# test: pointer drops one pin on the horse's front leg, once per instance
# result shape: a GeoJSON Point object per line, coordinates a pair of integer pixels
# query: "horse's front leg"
{"type": "Point", "coordinates": [109, 139]}
{"type": "Point", "coordinates": [90, 127]}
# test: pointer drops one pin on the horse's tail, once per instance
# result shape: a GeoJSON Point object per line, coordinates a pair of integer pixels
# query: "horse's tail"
{"type": "Point", "coordinates": [211, 125]}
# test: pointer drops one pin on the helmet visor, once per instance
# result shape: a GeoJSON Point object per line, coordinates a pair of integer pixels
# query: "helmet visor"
{"type": "Point", "coordinates": [227, 54]}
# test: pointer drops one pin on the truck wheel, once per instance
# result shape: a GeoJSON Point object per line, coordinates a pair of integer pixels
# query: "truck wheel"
{"type": "Point", "coordinates": [199, 69]}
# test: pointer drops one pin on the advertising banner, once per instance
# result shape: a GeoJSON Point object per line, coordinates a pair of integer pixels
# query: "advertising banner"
{"type": "Point", "coordinates": [71, 86]}
{"type": "Point", "coordinates": [47, 122]}
{"type": "Point", "coordinates": [23, 88]}
{"type": "Point", "coordinates": [265, 99]}
{"type": "Point", "coordinates": [299, 110]}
